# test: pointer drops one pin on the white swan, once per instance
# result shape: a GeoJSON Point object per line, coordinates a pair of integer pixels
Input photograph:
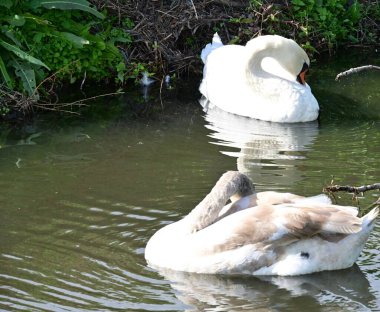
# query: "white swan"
{"type": "Point", "coordinates": [265, 79]}
{"type": "Point", "coordinates": [265, 233]}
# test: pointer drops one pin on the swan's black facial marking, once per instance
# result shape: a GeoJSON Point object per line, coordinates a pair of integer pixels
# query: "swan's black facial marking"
{"type": "Point", "coordinates": [301, 75]}
{"type": "Point", "coordinates": [305, 255]}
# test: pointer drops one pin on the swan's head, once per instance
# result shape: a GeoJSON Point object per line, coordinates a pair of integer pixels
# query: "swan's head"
{"type": "Point", "coordinates": [279, 56]}
{"type": "Point", "coordinates": [293, 58]}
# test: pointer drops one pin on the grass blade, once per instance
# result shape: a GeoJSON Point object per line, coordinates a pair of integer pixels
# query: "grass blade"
{"type": "Point", "coordinates": [8, 80]}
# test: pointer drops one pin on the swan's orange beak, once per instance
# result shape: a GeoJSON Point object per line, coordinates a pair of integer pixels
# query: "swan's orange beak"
{"type": "Point", "coordinates": [301, 77]}
{"type": "Point", "coordinates": [302, 74]}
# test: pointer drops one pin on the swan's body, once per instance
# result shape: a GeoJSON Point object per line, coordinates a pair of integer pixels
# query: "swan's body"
{"type": "Point", "coordinates": [263, 79]}
{"type": "Point", "coordinates": [260, 234]}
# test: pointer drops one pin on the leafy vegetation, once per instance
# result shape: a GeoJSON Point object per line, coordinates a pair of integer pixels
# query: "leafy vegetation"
{"type": "Point", "coordinates": [332, 21]}
{"type": "Point", "coordinates": [70, 39]}
{"type": "Point", "coordinates": [317, 24]}
{"type": "Point", "coordinates": [43, 42]}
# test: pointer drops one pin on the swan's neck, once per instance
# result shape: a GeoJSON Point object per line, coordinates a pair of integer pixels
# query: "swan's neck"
{"type": "Point", "coordinates": [205, 213]}
{"type": "Point", "coordinates": [269, 60]}
{"type": "Point", "coordinates": [254, 68]}
{"type": "Point", "coordinates": [263, 64]}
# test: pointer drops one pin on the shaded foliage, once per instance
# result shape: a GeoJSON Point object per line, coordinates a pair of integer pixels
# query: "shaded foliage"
{"type": "Point", "coordinates": [169, 34]}
{"type": "Point", "coordinates": [68, 38]}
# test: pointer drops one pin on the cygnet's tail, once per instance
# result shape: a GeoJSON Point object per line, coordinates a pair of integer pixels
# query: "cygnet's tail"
{"type": "Point", "coordinates": [370, 217]}
{"type": "Point", "coordinates": [216, 43]}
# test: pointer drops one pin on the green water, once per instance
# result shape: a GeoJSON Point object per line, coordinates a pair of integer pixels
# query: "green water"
{"type": "Point", "coordinates": [80, 199]}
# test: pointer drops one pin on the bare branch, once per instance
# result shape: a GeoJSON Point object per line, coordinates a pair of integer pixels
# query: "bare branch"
{"type": "Point", "coordinates": [352, 189]}
{"type": "Point", "coordinates": [356, 70]}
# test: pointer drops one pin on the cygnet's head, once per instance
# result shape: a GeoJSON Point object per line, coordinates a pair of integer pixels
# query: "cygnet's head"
{"type": "Point", "coordinates": [239, 182]}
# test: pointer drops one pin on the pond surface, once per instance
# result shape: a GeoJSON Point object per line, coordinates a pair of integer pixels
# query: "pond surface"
{"type": "Point", "coordinates": [79, 201]}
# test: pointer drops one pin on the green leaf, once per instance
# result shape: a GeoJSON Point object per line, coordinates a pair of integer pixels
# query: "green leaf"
{"type": "Point", "coordinates": [8, 80]}
{"type": "Point", "coordinates": [74, 39]}
{"type": "Point", "coordinates": [21, 54]}
{"type": "Point", "coordinates": [82, 5]}
{"type": "Point", "coordinates": [27, 76]}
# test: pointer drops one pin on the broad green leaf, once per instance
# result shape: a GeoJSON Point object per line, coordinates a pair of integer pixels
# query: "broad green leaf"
{"type": "Point", "coordinates": [6, 3]}
{"type": "Point", "coordinates": [4, 72]}
{"type": "Point", "coordinates": [27, 76]}
{"type": "Point", "coordinates": [74, 39]}
{"type": "Point", "coordinates": [82, 5]}
{"type": "Point", "coordinates": [21, 54]}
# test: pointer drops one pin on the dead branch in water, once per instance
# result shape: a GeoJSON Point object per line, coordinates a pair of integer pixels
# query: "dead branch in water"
{"type": "Point", "coordinates": [352, 189]}
{"type": "Point", "coordinates": [355, 190]}
{"type": "Point", "coordinates": [356, 70]}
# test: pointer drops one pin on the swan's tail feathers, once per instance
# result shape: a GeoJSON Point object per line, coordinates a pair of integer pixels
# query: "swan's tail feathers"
{"type": "Point", "coordinates": [216, 43]}
{"type": "Point", "coordinates": [370, 217]}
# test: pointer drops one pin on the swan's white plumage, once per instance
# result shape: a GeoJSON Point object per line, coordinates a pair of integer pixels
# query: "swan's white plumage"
{"type": "Point", "coordinates": [260, 234]}
{"type": "Point", "coordinates": [258, 80]}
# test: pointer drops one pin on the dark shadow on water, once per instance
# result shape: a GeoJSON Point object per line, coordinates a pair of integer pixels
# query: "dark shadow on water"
{"type": "Point", "coordinates": [334, 106]}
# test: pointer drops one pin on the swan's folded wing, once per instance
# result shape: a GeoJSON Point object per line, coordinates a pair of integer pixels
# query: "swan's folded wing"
{"type": "Point", "coordinates": [275, 198]}
{"type": "Point", "coordinates": [301, 220]}
{"type": "Point", "coordinates": [270, 226]}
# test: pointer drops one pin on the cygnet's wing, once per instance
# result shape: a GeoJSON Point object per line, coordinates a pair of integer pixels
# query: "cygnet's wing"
{"type": "Point", "coordinates": [310, 219]}
{"type": "Point", "coordinates": [275, 198]}
{"type": "Point", "coordinates": [271, 198]}
{"type": "Point", "coordinates": [270, 226]}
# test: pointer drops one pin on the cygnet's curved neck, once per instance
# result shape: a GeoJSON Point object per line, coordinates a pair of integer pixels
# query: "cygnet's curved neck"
{"type": "Point", "coordinates": [205, 213]}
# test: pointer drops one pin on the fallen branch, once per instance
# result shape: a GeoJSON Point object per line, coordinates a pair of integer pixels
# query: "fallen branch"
{"type": "Point", "coordinates": [356, 70]}
{"type": "Point", "coordinates": [60, 106]}
{"type": "Point", "coordinates": [356, 190]}
{"type": "Point", "coordinates": [352, 189]}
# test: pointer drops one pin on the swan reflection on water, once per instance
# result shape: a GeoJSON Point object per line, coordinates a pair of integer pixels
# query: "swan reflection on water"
{"type": "Point", "coordinates": [271, 147]}
{"type": "Point", "coordinates": [346, 290]}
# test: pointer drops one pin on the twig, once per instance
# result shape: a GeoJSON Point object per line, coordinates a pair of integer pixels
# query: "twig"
{"type": "Point", "coordinates": [195, 10]}
{"type": "Point", "coordinates": [83, 80]}
{"type": "Point", "coordinates": [162, 82]}
{"type": "Point", "coordinates": [79, 102]}
{"type": "Point", "coordinates": [356, 70]}
{"type": "Point", "coordinates": [55, 109]}
{"type": "Point", "coordinates": [352, 189]}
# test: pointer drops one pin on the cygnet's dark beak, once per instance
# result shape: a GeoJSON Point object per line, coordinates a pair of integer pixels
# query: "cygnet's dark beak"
{"type": "Point", "coordinates": [302, 74]}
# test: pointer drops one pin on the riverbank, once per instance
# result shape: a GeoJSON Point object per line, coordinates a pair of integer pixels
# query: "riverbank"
{"type": "Point", "coordinates": [163, 38]}
{"type": "Point", "coordinates": [169, 35]}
